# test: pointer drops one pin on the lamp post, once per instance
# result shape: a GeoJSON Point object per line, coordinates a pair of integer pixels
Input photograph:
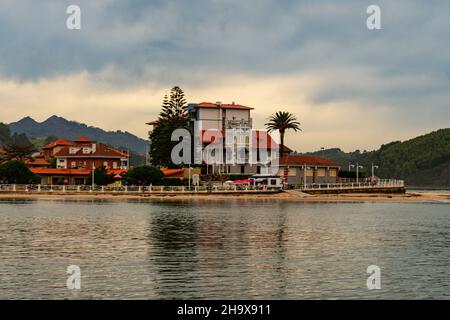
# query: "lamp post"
{"type": "Point", "coordinates": [357, 171]}
{"type": "Point", "coordinates": [93, 177]}
{"type": "Point", "coordinates": [189, 182]}
{"type": "Point", "coordinates": [373, 169]}
{"type": "Point", "coordinates": [350, 166]}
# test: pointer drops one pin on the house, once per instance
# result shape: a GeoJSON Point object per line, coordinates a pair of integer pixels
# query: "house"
{"type": "Point", "coordinates": [87, 154]}
{"type": "Point", "coordinates": [296, 169]}
{"type": "Point", "coordinates": [37, 162]}
{"type": "Point", "coordinates": [76, 160]}
{"type": "Point", "coordinates": [49, 150]}
{"type": "Point", "coordinates": [219, 116]}
{"type": "Point", "coordinates": [54, 176]}
{"type": "Point", "coordinates": [233, 123]}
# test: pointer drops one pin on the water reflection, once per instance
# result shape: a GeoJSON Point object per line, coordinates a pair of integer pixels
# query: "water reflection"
{"type": "Point", "coordinates": [232, 249]}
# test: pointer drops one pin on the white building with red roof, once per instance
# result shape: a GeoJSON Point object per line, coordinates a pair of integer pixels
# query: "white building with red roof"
{"type": "Point", "coordinates": [220, 119]}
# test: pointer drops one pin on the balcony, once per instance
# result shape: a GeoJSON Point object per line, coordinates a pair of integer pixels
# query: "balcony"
{"type": "Point", "coordinates": [242, 123]}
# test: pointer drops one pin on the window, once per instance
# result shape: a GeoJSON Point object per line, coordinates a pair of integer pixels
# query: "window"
{"type": "Point", "coordinates": [242, 169]}
{"type": "Point", "coordinates": [258, 169]}
{"type": "Point", "coordinates": [105, 164]}
{"type": "Point", "coordinates": [73, 165]}
{"type": "Point", "coordinates": [114, 165]}
{"type": "Point", "coordinates": [332, 172]}
{"type": "Point", "coordinates": [86, 150]}
{"type": "Point", "coordinates": [309, 172]}
{"type": "Point", "coordinates": [321, 172]}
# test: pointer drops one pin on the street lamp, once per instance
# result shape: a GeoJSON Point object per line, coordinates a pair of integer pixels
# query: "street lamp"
{"type": "Point", "coordinates": [357, 171]}
{"type": "Point", "coordinates": [189, 181]}
{"type": "Point", "coordinates": [93, 177]}
{"type": "Point", "coordinates": [373, 169]}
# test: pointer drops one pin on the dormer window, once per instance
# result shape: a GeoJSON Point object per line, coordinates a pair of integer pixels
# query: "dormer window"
{"type": "Point", "coordinates": [73, 150]}
{"type": "Point", "coordinates": [86, 150]}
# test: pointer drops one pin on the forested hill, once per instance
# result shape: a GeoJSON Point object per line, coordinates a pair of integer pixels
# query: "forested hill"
{"type": "Point", "coordinates": [422, 162]}
{"type": "Point", "coordinates": [59, 127]}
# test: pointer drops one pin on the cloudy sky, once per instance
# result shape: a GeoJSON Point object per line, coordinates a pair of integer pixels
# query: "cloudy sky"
{"type": "Point", "coordinates": [350, 87]}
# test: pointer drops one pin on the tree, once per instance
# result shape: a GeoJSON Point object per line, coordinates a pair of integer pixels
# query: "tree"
{"type": "Point", "coordinates": [16, 172]}
{"type": "Point", "coordinates": [52, 163]}
{"type": "Point", "coordinates": [174, 115]}
{"type": "Point", "coordinates": [19, 148]}
{"type": "Point", "coordinates": [282, 121]}
{"type": "Point", "coordinates": [50, 139]}
{"type": "Point", "coordinates": [5, 134]}
{"type": "Point", "coordinates": [144, 175]}
{"type": "Point", "coordinates": [101, 177]}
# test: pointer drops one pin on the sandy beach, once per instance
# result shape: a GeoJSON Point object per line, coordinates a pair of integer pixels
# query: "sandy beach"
{"type": "Point", "coordinates": [412, 197]}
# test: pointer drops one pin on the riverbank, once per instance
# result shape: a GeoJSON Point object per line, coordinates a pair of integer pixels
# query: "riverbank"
{"type": "Point", "coordinates": [291, 195]}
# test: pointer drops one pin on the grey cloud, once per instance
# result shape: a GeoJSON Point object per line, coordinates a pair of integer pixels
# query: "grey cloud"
{"type": "Point", "coordinates": [198, 41]}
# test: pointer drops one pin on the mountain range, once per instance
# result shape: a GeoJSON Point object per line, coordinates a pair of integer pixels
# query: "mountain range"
{"type": "Point", "coordinates": [65, 129]}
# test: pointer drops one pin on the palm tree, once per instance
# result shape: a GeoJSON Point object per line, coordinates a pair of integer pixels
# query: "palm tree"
{"type": "Point", "coordinates": [282, 121]}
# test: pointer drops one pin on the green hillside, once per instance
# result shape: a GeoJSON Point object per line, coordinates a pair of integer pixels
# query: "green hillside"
{"type": "Point", "coordinates": [422, 162]}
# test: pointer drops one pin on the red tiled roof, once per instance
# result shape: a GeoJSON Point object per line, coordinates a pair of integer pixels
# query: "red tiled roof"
{"type": "Point", "coordinates": [62, 172]}
{"type": "Point", "coordinates": [59, 142]}
{"type": "Point", "coordinates": [72, 172]}
{"type": "Point", "coordinates": [36, 162]}
{"type": "Point", "coordinates": [211, 135]}
{"type": "Point", "coordinates": [101, 150]}
{"type": "Point", "coordinates": [116, 171]}
{"type": "Point", "coordinates": [265, 140]}
{"type": "Point", "coordinates": [262, 139]}
{"type": "Point", "coordinates": [306, 160]}
{"type": "Point", "coordinates": [172, 172]}
{"type": "Point", "coordinates": [223, 106]}
{"type": "Point", "coordinates": [83, 140]}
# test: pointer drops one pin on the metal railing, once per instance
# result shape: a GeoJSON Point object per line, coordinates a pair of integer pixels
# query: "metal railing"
{"type": "Point", "coordinates": [381, 183]}
{"type": "Point", "coordinates": [20, 188]}
{"type": "Point", "coordinates": [38, 188]}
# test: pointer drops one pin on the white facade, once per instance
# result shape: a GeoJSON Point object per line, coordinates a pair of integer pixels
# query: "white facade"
{"type": "Point", "coordinates": [222, 118]}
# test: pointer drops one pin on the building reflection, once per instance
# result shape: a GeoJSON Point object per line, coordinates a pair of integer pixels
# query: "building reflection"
{"type": "Point", "coordinates": [203, 246]}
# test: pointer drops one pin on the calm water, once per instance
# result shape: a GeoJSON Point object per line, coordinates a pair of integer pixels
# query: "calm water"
{"type": "Point", "coordinates": [232, 249]}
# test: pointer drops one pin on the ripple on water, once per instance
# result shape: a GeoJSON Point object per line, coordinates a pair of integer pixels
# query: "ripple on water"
{"type": "Point", "coordinates": [233, 249]}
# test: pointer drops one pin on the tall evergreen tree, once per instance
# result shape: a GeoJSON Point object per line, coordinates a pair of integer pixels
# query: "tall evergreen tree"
{"type": "Point", "coordinates": [166, 110]}
{"type": "Point", "coordinates": [19, 148]}
{"type": "Point", "coordinates": [178, 103]}
{"type": "Point", "coordinates": [5, 134]}
{"type": "Point", "coordinates": [173, 115]}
